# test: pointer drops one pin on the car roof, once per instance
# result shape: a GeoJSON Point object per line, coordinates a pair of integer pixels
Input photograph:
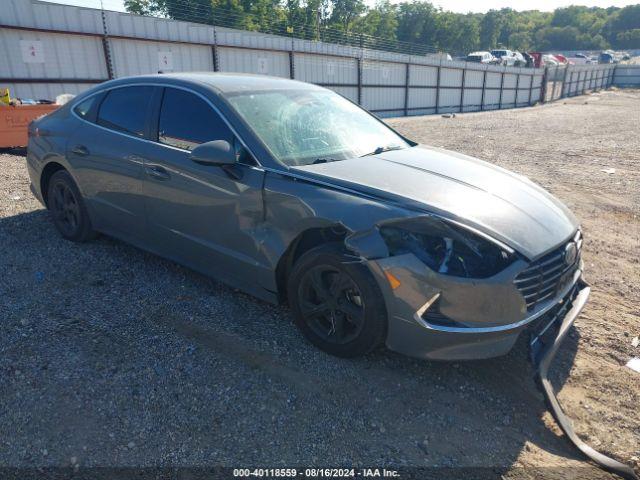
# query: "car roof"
{"type": "Point", "coordinates": [222, 82]}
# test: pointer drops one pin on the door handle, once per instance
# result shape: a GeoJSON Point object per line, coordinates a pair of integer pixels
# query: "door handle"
{"type": "Point", "coordinates": [80, 150]}
{"type": "Point", "coordinates": [157, 172]}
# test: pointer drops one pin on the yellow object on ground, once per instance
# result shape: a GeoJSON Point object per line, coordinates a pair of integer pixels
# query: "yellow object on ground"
{"type": "Point", "coordinates": [4, 96]}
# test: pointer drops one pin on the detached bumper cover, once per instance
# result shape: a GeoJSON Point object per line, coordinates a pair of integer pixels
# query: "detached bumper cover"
{"type": "Point", "coordinates": [543, 351]}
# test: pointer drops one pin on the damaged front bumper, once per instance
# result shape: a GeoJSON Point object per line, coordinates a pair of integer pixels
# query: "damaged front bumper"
{"type": "Point", "coordinates": [410, 333]}
{"type": "Point", "coordinates": [545, 342]}
{"type": "Point", "coordinates": [478, 318]}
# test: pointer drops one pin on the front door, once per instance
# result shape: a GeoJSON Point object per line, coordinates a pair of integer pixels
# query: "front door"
{"type": "Point", "coordinates": [202, 215]}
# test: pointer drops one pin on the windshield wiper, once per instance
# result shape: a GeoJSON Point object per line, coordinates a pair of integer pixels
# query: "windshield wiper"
{"type": "Point", "coordinates": [324, 160]}
{"type": "Point", "coordinates": [382, 150]}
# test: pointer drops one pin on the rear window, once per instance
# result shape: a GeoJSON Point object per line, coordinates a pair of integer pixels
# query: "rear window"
{"type": "Point", "coordinates": [84, 107]}
{"type": "Point", "coordinates": [125, 109]}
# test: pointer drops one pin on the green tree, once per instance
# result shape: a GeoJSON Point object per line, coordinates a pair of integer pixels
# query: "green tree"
{"type": "Point", "coordinates": [417, 22]}
{"type": "Point", "coordinates": [563, 38]}
{"type": "Point", "coordinates": [520, 41]}
{"type": "Point", "coordinates": [228, 13]}
{"type": "Point", "coordinates": [144, 7]}
{"type": "Point", "coordinates": [344, 12]}
{"type": "Point", "coordinates": [379, 22]}
{"type": "Point", "coordinates": [457, 33]}
{"type": "Point", "coordinates": [624, 20]}
{"type": "Point", "coordinates": [569, 28]}
{"type": "Point", "coordinates": [490, 28]}
{"type": "Point", "coordinates": [628, 39]}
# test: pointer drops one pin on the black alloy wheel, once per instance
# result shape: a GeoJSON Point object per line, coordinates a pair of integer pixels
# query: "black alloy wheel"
{"type": "Point", "coordinates": [336, 302]}
{"type": "Point", "coordinates": [67, 208]}
{"type": "Point", "coordinates": [331, 304]}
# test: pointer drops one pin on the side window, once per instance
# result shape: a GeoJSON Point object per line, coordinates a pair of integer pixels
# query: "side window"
{"type": "Point", "coordinates": [125, 109]}
{"type": "Point", "coordinates": [84, 107]}
{"type": "Point", "coordinates": [186, 121]}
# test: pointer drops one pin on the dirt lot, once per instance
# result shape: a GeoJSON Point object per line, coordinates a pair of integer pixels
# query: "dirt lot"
{"type": "Point", "coordinates": [113, 357]}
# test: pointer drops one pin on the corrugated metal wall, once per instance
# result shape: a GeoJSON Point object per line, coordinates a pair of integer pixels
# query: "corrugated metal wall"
{"type": "Point", "coordinates": [264, 62]}
{"type": "Point", "coordinates": [73, 51]}
{"type": "Point", "coordinates": [60, 56]}
{"type": "Point", "coordinates": [627, 76]}
{"type": "Point", "coordinates": [136, 57]}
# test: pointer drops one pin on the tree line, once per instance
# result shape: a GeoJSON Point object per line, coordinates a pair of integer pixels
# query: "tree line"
{"type": "Point", "coordinates": [389, 26]}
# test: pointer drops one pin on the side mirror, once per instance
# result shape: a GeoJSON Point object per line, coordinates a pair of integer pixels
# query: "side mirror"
{"type": "Point", "coordinates": [216, 152]}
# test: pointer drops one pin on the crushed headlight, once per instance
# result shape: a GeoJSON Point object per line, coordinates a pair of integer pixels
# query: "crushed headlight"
{"type": "Point", "coordinates": [446, 248]}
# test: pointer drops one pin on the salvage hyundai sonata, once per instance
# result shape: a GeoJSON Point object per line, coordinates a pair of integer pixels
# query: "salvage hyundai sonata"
{"type": "Point", "coordinates": [293, 193]}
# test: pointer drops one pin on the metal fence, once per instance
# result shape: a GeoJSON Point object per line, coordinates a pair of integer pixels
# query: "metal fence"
{"type": "Point", "coordinates": [627, 75]}
{"type": "Point", "coordinates": [52, 49]}
{"type": "Point", "coordinates": [569, 80]}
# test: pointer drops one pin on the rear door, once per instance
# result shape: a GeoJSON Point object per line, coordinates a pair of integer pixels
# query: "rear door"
{"type": "Point", "coordinates": [106, 153]}
{"type": "Point", "coordinates": [204, 216]}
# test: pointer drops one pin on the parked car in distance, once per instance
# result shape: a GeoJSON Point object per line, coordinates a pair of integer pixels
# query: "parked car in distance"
{"type": "Point", "coordinates": [509, 58]}
{"type": "Point", "coordinates": [538, 59]}
{"type": "Point", "coordinates": [520, 61]}
{"type": "Point", "coordinates": [579, 59]}
{"type": "Point", "coordinates": [530, 61]}
{"type": "Point", "coordinates": [550, 60]}
{"type": "Point", "coordinates": [606, 58]}
{"type": "Point", "coordinates": [480, 57]}
{"type": "Point", "coordinates": [292, 193]}
{"type": "Point", "coordinates": [505, 57]}
{"type": "Point", "coordinates": [561, 59]}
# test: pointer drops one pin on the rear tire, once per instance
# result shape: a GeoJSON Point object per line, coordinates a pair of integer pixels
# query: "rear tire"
{"type": "Point", "coordinates": [67, 208]}
{"type": "Point", "coordinates": [336, 303]}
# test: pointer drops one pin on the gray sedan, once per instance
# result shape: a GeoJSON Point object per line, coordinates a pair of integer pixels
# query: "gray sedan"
{"type": "Point", "coordinates": [292, 193]}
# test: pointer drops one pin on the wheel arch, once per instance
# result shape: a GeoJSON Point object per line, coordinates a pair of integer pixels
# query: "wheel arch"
{"type": "Point", "coordinates": [306, 240]}
{"type": "Point", "coordinates": [47, 172]}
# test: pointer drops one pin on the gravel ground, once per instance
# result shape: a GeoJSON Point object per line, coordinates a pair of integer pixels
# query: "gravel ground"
{"type": "Point", "coordinates": [113, 357]}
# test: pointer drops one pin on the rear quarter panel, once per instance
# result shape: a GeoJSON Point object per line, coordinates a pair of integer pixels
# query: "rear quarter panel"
{"type": "Point", "coordinates": [49, 145]}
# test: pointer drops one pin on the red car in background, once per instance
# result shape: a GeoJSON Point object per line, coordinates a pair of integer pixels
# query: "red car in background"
{"type": "Point", "coordinates": [539, 60]}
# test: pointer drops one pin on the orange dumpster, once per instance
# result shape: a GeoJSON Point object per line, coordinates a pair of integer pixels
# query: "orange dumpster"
{"type": "Point", "coordinates": [14, 120]}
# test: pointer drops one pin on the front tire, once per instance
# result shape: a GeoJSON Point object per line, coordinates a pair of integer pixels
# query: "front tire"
{"type": "Point", "coordinates": [67, 208]}
{"type": "Point", "coordinates": [337, 303]}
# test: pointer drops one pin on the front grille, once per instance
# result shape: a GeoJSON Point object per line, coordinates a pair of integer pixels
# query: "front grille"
{"type": "Point", "coordinates": [544, 278]}
{"type": "Point", "coordinates": [544, 330]}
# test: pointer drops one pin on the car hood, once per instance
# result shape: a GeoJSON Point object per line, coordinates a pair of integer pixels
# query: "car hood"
{"type": "Point", "coordinates": [507, 206]}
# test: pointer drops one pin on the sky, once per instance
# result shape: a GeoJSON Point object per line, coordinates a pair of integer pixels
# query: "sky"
{"type": "Point", "coordinates": [460, 6]}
